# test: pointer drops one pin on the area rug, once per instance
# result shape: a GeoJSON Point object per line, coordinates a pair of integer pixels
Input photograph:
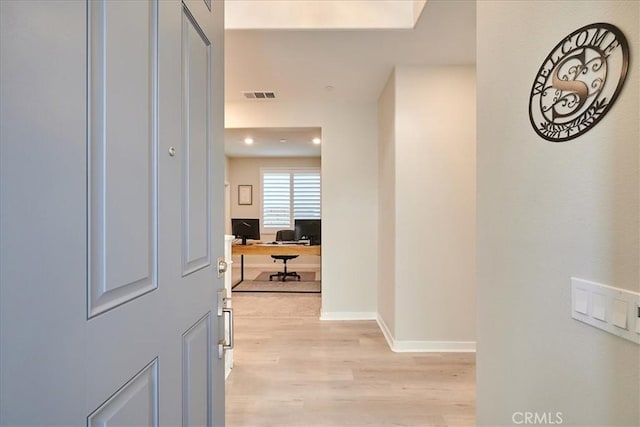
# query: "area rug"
{"type": "Point", "coordinates": [307, 284]}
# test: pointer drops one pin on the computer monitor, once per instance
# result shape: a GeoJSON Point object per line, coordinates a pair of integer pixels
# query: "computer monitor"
{"type": "Point", "coordinates": [246, 229]}
{"type": "Point", "coordinates": [308, 229]}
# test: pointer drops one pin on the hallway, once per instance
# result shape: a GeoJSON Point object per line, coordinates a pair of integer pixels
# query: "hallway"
{"type": "Point", "coordinates": [291, 369]}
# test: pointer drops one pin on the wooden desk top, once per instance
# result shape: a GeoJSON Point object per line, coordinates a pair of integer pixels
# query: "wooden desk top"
{"type": "Point", "coordinates": [267, 249]}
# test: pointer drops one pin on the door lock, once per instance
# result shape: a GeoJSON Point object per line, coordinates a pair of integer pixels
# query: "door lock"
{"type": "Point", "coordinates": [222, 267]}
{"type": "Point", "coordinates": [223, 312]}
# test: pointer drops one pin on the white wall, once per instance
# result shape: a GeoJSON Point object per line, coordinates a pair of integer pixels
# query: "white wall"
{"type": "Point", "coordinates": [387, 207]}
{"type": "Point", "coordinates": [427, 122]}
{"type": "Point", "coordinates": [435, 203]}
{"type": "Point", "coordinates": [349, 194]}
{"type": "Point", "coordinates": [247, 171]}
{"type": "Point", "coordinates": [546, 212]}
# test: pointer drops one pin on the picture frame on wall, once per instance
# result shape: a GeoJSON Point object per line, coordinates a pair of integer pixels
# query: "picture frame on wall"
{"type": "Point", "coordinates": [245, 194]}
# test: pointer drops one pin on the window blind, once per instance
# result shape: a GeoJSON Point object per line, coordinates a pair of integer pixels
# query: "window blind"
{"type": "Point", "coordinates": [306, 195]}
{"type": "Point", "coordinates": [276, 194]}
{"type": "Point", "coordinates": [289, 195]}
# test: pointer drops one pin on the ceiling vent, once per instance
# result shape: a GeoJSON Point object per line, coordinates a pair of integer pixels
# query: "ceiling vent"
{"type": "Point", "coordinates": [259, 95]}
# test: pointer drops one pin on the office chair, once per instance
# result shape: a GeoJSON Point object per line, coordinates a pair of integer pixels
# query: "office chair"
{"type": "Point", "coordinates": [283, 236]}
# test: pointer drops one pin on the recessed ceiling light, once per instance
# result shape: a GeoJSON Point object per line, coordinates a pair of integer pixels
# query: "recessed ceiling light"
{"type": "Point", "coordinates": [328, 88]}
{"type": "Point", "coordinates": [316, 140]}
{"type": "Point", "coordinates": [283, 140]}
{"type": "Point", "coordinates": [248, 141]}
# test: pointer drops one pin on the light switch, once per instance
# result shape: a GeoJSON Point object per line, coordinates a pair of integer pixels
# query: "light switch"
{"type": "Point", "coordinates": [613, 310]}
{"type": "Point", "coordinates": [581, 301]}
{"type": "Point", "coordinates": [599, 311]}
{"type": "Point", "coordinates": [619, 315]}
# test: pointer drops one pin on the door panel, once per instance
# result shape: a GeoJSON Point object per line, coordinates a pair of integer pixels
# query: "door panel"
{"type": "Point", "coordinates": [196, 386]}
{"type": "Point", "coordinates": [135, 404]}
{"type": "Point", "coordinates": [196, 93]}
{"type": "Point", "coordinates": [122, 121]}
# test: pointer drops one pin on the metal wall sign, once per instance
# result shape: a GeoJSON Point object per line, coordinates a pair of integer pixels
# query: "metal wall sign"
{"type": "Point", "coordinates": [578, 82]}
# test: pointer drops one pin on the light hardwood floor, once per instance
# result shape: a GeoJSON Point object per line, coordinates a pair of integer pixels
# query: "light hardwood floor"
{"type": "Point", "coordinates": [292, 369]}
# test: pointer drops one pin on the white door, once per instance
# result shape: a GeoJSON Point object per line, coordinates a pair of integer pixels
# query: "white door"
{"type": "Point", "coordinates": [112, 199]}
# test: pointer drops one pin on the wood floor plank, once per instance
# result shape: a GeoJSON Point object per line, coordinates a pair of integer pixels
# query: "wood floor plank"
{"type": "Point", "coordinates": [292, 369]}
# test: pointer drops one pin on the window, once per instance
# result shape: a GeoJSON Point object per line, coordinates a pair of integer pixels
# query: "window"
{"type": "Point", "coordinates": [288, 195]}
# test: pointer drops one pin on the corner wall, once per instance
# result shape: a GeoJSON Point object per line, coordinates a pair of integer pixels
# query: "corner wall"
{"type": "Point", "coordinates": [427, 209]}
{"type": "Point", "coordinates": [547, 212]}
{"type": "Point", "coordinates": [435, 206]}
{"type": "Point", "coordinates": [349, 194]}
{"type": "Point", "coordinates": [387, 209]}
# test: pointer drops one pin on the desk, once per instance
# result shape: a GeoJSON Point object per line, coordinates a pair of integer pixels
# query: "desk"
{"type": "Point", "coordinates": [269, 249]}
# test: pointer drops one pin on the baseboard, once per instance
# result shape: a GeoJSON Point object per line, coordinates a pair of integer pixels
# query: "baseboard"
{"type": "Point", "coordinates": [408, 346]}
{"type": "Point", "coordinates": [347, 315]}
{"type": "Point", "coordinates": [385, 331]}
{"type": "Point", "coordinates": [401, 346]}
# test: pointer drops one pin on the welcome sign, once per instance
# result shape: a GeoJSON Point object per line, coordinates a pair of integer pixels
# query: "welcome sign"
{"type": "Point", "coordinates": [578, 82]}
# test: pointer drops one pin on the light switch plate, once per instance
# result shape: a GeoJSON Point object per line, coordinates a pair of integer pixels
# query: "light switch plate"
{"type": "Point", "coordinates": [613, 310]}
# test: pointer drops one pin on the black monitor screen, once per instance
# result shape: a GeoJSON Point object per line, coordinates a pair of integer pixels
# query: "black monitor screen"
{"type": "Point", "coordinates": [245, 229]}
{"type": "Point", "coordinates": [308, 229]}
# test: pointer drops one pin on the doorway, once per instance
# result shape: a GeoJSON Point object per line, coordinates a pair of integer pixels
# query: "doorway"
{"type": "Point", "coordinates": [274, 177]}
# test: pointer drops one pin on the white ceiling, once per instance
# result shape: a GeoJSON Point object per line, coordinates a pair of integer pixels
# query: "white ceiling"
{"type": "Point", "coordinates": [308, 14]}
{"type": "Point", "coordinates": [267, 142]}
{"type": "Point", "coordinates": [298, 65]}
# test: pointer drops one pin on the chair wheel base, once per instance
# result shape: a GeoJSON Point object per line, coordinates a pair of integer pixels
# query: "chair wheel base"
{"type": "Point", "coordinates": [283, 276]}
